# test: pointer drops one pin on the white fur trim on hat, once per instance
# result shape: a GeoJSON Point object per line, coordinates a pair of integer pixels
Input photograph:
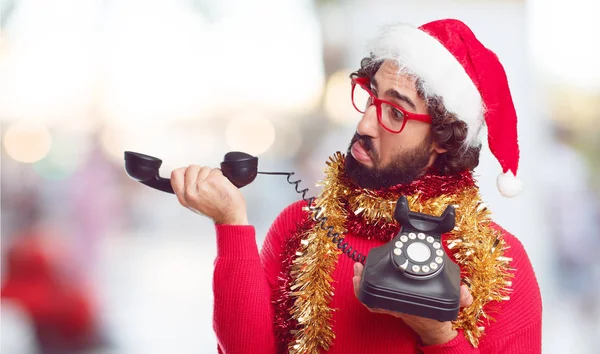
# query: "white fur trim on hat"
{"type": "Point", "coordinates": [422, 55]}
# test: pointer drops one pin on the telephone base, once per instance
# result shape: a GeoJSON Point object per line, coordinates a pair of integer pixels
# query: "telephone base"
{"type": "Point", "coordinates": [398, 301]}
{"type": "Point", "coordinates": [385, 286]}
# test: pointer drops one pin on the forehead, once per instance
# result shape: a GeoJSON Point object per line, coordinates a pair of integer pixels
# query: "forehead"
{"type": "Point", "coordinates": [389, 76]}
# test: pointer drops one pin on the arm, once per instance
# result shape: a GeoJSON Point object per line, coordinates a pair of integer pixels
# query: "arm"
{"type": "Point", "coordinates": [518, 324]}
{"type": "Point", "coordinates": [243, 282]}
{"type": "Point", "coordinates": [243, 314]}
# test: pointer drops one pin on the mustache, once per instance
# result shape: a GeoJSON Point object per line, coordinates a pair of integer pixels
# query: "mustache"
{"type": "Point", "coordinates": [366, 142]}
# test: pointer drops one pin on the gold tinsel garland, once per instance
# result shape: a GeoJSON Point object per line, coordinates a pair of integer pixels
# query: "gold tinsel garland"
{"type": "Point", "coordinates": [476, 247]}
{"type": "Point", "coordinates": [312, 270]}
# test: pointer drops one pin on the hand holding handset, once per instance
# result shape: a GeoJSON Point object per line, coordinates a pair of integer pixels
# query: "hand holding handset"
{"type": "Point", "coordinates": [240, 168]}
{"type": "Point", "coordinates": [410, 274]}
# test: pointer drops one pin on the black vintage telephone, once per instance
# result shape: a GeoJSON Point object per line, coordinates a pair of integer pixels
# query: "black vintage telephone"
{"type": "Point", "coordinates": [410, 274]}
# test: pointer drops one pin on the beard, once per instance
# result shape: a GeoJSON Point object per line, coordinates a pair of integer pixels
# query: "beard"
{"type": "Point", "coordinates": [404, 168]}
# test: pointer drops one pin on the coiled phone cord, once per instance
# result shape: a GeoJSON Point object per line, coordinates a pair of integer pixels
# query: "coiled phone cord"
{"type": "Point", "coordinates": [340, 242]}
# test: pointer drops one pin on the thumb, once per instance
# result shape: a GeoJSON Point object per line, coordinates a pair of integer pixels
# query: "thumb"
{"type": "Point", "coordinates": [358, 269]}
{"type": "Point", "coordinates": [466, 299]}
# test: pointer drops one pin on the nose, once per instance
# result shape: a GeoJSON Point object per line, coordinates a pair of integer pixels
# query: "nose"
{"type": "Point", "coordinates": [368, 124]}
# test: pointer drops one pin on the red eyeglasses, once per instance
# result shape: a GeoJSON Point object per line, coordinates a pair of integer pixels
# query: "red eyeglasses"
{"type": "Point", "coordinates": [392, 117]}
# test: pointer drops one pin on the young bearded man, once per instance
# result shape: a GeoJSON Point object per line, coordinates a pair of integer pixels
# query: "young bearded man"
{"type": "Point", "coordinates": [425, 93]}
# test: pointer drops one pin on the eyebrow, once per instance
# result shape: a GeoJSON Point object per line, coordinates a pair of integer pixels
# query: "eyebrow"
{"type": "Point", "coordinates": [395, 94]}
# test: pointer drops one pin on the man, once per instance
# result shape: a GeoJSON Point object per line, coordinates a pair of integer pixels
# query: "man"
{"type": "Point", "coordinates": [425, 93]}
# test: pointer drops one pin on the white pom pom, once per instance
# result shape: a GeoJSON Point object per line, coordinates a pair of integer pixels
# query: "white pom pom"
{"type": "Point", "coordinates": [509, 185]}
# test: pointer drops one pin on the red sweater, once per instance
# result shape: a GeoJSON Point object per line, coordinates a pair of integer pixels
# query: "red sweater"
{"type": "Point", "coordinates": [244, 315]}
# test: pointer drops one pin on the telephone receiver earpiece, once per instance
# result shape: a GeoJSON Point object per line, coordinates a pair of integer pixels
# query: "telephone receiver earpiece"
{"type": "Point", "coordinates": [240, 168]}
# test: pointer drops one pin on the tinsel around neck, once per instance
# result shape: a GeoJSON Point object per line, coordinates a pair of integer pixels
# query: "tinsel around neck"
{"type": "Point", "coordinates": [370, 212]}
{"type": "Point", "coordinates": [429, 185]}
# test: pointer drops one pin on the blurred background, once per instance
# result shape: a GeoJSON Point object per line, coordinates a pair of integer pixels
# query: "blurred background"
{"type": "Point", "coordinates": [93, 262]}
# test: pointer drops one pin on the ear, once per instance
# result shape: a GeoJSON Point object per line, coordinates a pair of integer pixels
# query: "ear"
{"type": "Point", "coordinates": [437, 149]}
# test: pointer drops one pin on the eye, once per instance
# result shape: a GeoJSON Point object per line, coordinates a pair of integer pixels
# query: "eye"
{"type": "Point", "coordinates": [397, 114]}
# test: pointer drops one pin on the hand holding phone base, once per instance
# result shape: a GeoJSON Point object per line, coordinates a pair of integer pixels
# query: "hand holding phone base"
{"type": "Point", "coordinates": [412, 274]}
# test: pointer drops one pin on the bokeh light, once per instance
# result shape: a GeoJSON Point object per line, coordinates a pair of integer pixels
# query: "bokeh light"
{"type": "Point", "coordinates": [48, 61]}
{"type": "Point", "coordinates": [156, 71]}
{"type": "Point", "coordinates": [338, 105]}
{"type": "Point", "coordinates": [250, 133]}
{"type": "Point", "coordinates": [65, 156]}
{"type": "Point", "coordinates": [27, 142]}
{"type": "Point", "coordinates": [290, 48]}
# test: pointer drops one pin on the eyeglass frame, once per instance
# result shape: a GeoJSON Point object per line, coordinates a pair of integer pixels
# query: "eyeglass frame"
{"type": "Point", "coordinates": [363, 83]}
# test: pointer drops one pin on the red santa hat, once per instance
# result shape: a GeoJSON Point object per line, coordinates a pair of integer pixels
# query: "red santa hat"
{"type": "Point", "coordinates": [470, 79]}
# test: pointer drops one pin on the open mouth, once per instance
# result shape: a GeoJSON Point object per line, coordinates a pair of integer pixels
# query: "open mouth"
{"type": "Point", "coordinates": [360, 154]}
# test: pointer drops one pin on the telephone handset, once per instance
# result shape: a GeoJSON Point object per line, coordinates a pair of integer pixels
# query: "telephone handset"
{"type": "Point", "coordinates": [412, 274]}
{"type": "Point", "coordinates": [240, 168]}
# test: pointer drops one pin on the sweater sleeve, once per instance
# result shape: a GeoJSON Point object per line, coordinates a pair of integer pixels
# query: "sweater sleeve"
{"type": "Point", "coordinates": [517, 327]}
{"type": "Point", "coordinates": [243, 313]}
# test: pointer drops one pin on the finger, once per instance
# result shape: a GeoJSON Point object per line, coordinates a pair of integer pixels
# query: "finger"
{"type": "Point", "coordinates": [356, 284]}
{"type": "Point", "coordinates": [178, 184]}
{"type": "Point", "coordinates": [391, 313]}
{"type": "Point", "coordinates": [204, 173]}
{"type": "Point", "coordinates": [358, 269]}
{"type": "Point", "coordinates": [216, 172]}
{"type": "Point", "coordinates": [214, 176]}
{"type": "Point", "coordinates": [191, 175]}
{"type": "Point", "coordinates": [466, 299]}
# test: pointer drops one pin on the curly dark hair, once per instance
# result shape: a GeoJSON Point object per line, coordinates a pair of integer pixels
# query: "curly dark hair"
{"type": "Point", "coordinates": [446, 129]}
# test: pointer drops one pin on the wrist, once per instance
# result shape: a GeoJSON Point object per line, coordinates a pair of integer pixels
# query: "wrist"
{"type": "Point", "coordinates": [240, 219]}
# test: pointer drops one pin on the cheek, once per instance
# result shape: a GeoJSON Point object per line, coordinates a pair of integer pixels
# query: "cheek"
{"type": "Point", "coordinates": [393, 145]}
{"type": "Point", "coordinates": [390, 147]}
{"type": "Point", "coordinates": [414, 134]}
